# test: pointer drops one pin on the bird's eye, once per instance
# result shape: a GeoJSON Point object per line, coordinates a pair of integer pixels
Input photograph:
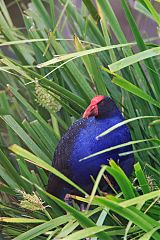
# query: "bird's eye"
{"type": "Point", "coordinates": [102, 103]}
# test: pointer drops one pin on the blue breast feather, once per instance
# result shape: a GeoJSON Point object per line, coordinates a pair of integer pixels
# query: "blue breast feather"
{"type": "Point", "coordinates": [85, 144]}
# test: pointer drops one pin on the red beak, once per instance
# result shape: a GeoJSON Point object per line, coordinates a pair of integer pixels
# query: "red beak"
{"type": "Point", "coordinates": [92, 110]}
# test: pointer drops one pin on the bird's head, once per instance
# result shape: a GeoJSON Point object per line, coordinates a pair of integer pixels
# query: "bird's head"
{"type": "Point", "coordinates": [99, 107]}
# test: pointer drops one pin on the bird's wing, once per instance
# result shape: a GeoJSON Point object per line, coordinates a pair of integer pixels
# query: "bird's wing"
{"type": "Point", "coordinates": [62, 158]}
{"type": "Point", "coordinates": [62, 155]}
{"type": "Point", "coordinates": [55, 184]}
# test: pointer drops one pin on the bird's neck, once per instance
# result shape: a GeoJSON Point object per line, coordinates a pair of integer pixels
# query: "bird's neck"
{"type": "Point", "coordinates": [109, 112]}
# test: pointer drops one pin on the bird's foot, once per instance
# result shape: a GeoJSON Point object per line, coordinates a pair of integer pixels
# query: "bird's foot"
{"type": "Point", "coordinates": [82, 207]}
{"type": "Point", "coordinates": [68, 199]}
{"type": "Point", "coordinates": [104, 194]}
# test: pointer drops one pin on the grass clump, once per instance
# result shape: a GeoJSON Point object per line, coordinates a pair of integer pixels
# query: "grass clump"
{"type": "Point", "coordinates": [46, 82]}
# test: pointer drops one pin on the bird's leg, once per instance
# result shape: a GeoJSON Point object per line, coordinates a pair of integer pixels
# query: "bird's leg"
{"type": "Point", "coordinates": [68, 199]}
{"type": "Point", "coordinates": [110, 182]}
{"type": "Point", "coordinates": [82, 207]}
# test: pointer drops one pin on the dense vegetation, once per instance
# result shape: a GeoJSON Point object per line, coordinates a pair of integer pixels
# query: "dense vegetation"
{"type": "Point", "coordinates": [46, 82]}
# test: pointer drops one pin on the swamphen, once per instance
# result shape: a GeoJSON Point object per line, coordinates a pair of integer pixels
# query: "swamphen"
{"type": "Point", "coordinates": [80, 141]}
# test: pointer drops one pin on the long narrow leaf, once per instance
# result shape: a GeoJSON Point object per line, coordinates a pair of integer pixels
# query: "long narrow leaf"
{"type": "Point", "coordinates": [37, 161]}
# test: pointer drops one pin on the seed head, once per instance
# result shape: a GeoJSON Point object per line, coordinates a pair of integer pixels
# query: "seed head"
{"type": "Point", "coordinates": [31, 202]}
{"type": "Point", "coordinates": [47, 99]}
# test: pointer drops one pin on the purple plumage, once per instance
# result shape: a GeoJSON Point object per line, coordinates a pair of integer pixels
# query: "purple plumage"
{"type": "Point", "coordinates": [80, 141]}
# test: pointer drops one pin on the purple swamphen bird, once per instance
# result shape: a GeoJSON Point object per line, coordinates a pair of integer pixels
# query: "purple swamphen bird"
{"type": "Point", "coordinates": [80, 141]}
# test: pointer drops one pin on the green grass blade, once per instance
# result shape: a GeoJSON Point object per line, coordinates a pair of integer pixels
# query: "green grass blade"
{"type": "Point", "coordinates": [118, 146]}
{"type": "Point", "coordinates": [153, 12]}
{"type": "Point", "coordinates": [74, 55]}
{"type": "Point", "coordinates": [121, 179]}
{"type": "Point", "coordinates": [141, 178]}
{"type": "Point", "coordinates": [42, 228]}
{"type": "Point", "coordinates": [21, 220]}
{"type": "Point", "coordinates": [91, 8]}
{"type": "Point", "coordinates": [86, 232]}
{"type": "Point", "coordinates": [148, 62]}
{"type": "Point", "coordinates": [37, 161]}
{"type": "Point", "coordinates": [123, 123]}
{"type": "Point", "coordinates": [139, 199]}
{"type": "Point", "coordinates": [123, 83]}
{"type": "Point", "coordinates": [132, 214]}
{"type": "Point", "coordinates": [10, 169]}
{"type": "Point", "coordinates": [82, 219]}
{"type": "Point", "coordinates": [43, 13]}
{"type": "Point", "coordinates": [149, 234]}
{"type": "Point", "coordinates": [24, 136]}
{"type": "Point", "coordinates": [127, 61]}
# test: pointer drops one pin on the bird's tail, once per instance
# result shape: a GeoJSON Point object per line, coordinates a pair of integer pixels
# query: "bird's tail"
{"type": "Point", "coordinates": [57, 187]}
